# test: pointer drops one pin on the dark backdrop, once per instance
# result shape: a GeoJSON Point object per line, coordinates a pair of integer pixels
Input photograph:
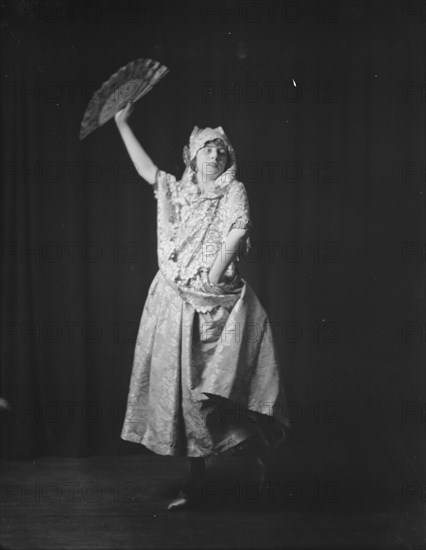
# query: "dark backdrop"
{"type": "Point", "coordinates": [334, 169]}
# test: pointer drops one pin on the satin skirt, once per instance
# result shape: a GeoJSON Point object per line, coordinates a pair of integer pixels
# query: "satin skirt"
{"type": "Point", "coordinates": [203, 383]}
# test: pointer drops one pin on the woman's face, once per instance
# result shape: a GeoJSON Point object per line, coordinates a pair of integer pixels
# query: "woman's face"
{"type": "Point", "coordinates": [212, 159]}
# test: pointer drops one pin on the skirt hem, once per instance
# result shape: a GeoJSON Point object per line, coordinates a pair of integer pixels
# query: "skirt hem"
{"type": "Point", "coordinates": [225, 449]}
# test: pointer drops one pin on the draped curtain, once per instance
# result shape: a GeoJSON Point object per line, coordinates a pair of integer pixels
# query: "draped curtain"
{"type": "Point", "coordinates": [325, 109]}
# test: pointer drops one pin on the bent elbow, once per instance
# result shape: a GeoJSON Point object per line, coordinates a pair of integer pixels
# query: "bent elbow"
{"type": "Point", "coordinates": [237, 233]}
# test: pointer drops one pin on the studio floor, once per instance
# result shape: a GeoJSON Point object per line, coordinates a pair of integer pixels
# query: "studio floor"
{"type": "Point", "coordinates": [120, 502]}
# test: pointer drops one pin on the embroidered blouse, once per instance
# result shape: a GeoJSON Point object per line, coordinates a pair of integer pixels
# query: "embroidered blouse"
{"type": "Point", "coordinates": [191, 227]}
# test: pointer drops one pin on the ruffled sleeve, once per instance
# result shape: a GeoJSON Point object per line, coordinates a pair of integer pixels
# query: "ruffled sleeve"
{"type": "Point", "coordinates": [238, 210]}
{"type": "Point", "coordinates": [166, 183]}
{"type": "Point", "coordinates": [155, 184]}
{"type": "Point", "coordinates": [167, 192]}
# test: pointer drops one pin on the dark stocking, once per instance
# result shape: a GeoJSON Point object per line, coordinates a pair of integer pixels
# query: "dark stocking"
{"type": "Point", "coordinates": [197, 470]}
{"type": "Point", "coordinates": [191, 488]}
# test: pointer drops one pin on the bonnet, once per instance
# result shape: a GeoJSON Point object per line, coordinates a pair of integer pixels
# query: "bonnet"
{"type": "Point", "coordinates": [198, 138]}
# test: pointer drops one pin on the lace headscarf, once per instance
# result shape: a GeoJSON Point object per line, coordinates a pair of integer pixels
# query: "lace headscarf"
{"type": "Point", "coordinates": [197, 140]}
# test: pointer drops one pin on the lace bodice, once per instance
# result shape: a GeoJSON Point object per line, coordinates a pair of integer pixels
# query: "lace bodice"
{"type": "Point", "coordinates": [191, 227]}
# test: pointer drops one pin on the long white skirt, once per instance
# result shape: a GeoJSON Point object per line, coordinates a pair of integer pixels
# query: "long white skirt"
{"type": "Point", "coordinates": [202, 383]}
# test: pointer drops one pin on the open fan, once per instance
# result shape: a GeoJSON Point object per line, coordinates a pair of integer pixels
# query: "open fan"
{"type": "Point", "coordinates": [128, 84]}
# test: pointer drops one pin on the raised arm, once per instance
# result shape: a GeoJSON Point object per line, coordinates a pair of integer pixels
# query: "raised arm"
{"type": "Point", "coordinates": [142, 162]}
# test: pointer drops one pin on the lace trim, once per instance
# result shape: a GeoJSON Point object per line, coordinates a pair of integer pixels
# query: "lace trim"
{"type": "Point", "coordinates": [202, 301]}
{"type": "Point", "coordinates": [241, 224]}
{"type": "Point", "coordinates": [155, 184]}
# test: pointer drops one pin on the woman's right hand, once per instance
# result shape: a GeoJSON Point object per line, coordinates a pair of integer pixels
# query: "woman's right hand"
{"type": "Point", "coordinates": [122, 116]}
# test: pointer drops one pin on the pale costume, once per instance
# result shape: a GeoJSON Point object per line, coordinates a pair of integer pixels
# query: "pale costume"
{"type": "Point", "coordinates": [205, 373]}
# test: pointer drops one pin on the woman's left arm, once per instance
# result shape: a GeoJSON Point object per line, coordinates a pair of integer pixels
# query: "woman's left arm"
{"type": "Point", "coordinates": [227, 254]}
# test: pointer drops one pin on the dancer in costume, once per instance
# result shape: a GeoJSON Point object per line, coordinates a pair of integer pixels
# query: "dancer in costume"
{"type": "Point", "coordinates": [205, 378]}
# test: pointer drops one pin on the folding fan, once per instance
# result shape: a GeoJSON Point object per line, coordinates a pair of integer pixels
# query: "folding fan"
{"type": "Point", "coordinates": [128, 84]}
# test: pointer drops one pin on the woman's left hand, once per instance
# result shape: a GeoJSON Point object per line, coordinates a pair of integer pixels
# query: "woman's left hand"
{"type": "Point", "coordinates": [215, 287]}
{"type": "Point", "coordinates": [218, 287]}
{"type": "Point", "coordinates": [215, 281]}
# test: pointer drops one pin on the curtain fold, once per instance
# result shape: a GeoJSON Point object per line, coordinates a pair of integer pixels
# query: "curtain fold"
{"type": "Point", "coordinates": [333, 170]}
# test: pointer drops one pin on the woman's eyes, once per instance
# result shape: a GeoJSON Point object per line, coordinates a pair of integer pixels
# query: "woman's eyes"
{"type": "Point", "coordinates": [220, 151]}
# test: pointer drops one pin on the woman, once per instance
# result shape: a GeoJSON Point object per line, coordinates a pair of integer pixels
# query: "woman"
{"type": "Point", "coordinates": [205, 378]}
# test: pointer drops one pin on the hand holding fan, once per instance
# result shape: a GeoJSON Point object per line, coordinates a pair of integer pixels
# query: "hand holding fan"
{"type": "Point", "coordinates": [127, 85]}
